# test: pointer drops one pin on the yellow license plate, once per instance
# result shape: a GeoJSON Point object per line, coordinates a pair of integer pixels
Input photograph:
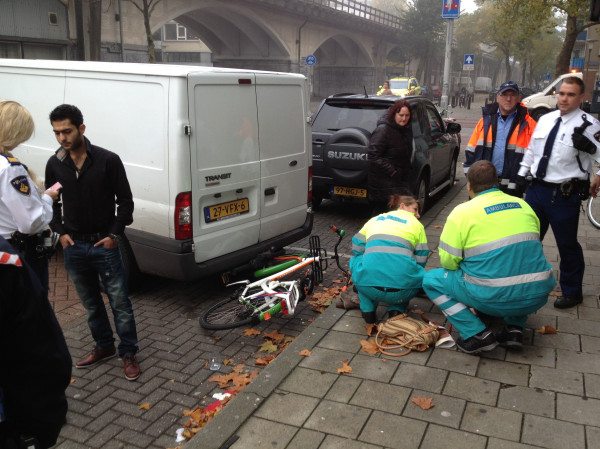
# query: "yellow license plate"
{"type": "Point", "coordinates": [350, 191]}
{"type": "Point", "coordinates": [226, 210]}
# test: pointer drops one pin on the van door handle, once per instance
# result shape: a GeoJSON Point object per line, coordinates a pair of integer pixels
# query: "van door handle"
{"type": "Point", "coordinates": [270, 191]}
{"type": "Point", "coordinates": [293, 163]}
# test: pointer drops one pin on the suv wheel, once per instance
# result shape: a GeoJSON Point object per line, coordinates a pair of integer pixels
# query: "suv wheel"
{"type": "Point", "coordinates": [452, 174]}
{"type": "Point", "coordinates": [422, 191]}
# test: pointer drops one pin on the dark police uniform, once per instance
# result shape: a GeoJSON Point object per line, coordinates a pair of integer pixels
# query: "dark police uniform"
{"type": "Point", "coordinates": [35, 365]}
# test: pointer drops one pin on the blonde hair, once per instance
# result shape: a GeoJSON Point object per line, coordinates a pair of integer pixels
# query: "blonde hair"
{"type": "Point", "coordinates": [16, 127]}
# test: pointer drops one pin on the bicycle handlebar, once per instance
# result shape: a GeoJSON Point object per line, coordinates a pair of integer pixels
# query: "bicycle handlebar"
{"type": "Point", "coordinates": [339, 232]}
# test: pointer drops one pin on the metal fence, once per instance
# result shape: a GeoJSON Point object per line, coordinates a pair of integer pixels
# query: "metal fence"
{"type": "Point", "coordinates": [360, 9]}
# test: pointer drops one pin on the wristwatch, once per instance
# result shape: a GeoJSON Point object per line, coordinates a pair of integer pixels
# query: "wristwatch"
{"type": "Point", "coordinates": [113, 236]}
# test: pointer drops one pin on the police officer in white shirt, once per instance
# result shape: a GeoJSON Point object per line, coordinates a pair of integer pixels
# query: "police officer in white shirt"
{"type": "Point", "coordinates": [559, 159]}
{"type": "Point", "coordinates": [24, 209]}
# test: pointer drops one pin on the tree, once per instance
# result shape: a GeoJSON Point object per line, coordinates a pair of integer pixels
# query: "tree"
{"type": "Point", "coordinates": [147, 8]}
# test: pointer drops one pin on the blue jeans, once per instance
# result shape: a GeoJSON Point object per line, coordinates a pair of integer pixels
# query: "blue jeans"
{"type": "Point", "coordinates": [84, 263]}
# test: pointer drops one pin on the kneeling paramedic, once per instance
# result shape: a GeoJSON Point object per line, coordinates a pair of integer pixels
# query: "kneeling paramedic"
{"type": "Point", "coordinates": [492, 261]}
{"type": "Point", "coordinates": [390, 253]}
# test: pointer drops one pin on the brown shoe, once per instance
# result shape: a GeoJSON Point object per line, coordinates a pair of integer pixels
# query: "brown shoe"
{"type": "Point", "coordinates": [132, 367]}
{"type": "Point", "coordinates": [95, 356]}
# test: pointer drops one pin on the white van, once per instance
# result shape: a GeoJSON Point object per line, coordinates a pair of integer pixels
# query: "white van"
{"type": "Point", "coordinates": [218, 160]}
{"type": "Point", "coordinates": [545, 101]}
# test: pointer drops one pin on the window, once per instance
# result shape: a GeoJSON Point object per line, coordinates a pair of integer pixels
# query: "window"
{"type": "Point", "coordinates": [174, 31]}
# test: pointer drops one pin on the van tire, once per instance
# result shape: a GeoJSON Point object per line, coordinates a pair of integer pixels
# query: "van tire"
{"type": "Point", "coordinates": [452, 172]}
{"type": "Point", "coordinates": [132, 271]}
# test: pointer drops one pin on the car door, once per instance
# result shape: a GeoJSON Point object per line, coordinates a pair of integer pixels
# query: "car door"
{"type": "Point", "coordinates": [439, 144]}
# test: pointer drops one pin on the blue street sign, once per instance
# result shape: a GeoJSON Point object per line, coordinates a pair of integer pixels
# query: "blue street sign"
{"type": "Point", "coordinates": [311, 60]}
{"type": "Point", "coordinates": [450, 9]}
{"type": "Point", "coordinates": [548, 75]}
{"type": "Point", "coordinates": [469, 62]}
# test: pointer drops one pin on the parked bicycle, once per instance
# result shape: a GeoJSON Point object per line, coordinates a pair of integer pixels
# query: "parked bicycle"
{"type": "Point", "coordinates": [260, 300]}
{"type": "Point", "coordinates": [593, 211]}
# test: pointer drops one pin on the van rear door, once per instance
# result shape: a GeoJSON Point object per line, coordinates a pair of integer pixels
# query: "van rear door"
{"type": "Point", "coordinates": [284, 136]}
{"type": "Point", "coordinates": [225, 162]}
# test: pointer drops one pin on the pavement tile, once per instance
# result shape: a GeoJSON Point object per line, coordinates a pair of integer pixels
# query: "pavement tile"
{"type": "Point", "coordinates": [490, 421]}
{"type": "Point", "coordinates": [339, 419]}
{"type": "Point", "coordinates": [577, 409]}
{"type": "Point", "coordinates": [341, 341]}
{"type": "Point", "coordinates": [381, 396]}
{"type": "Point", "coordinates": [446, 438]}
{"type": "Point", "coordinates": [504, 372]}
{"type": "Point", "coordinates": [590, 344]}
{"type": "Point", "coordinates": [351, 324]}
{"type": "Point", "coordinates": [592, 386]}
{"type": "Point", "coordinates": [561, 340]}
{"type": "Point", "coordinates": [586, 363]}
{"type": "Point", "coordinates": [552, 433]}
{"type": "Point", "coordinates": [573, 325]}
{"type": "Point", "coordinates": [343, 389]}
{"type": "Point", "coordinates": [420, 377]}
{"type": "Point", "coordinates": [373, 368]}
{"type": "Point", "coordinates": [383, 429]}
{"type": "Point", "coordinates": [570, 382]}
{"type": "Point", "coordinates": [472, 389]}
{"type": "Point", "coordinates": [335, 442]}
{"type": "Point", "coordinates": [592, 437]}
{"type": "Point", "coordinates": [287, 408]}
{"type": "Point", "coordinates": [447, 411]}
{"type": "Point", "coordinates": [325, 359]}
{"type": "Point", "coordinates": [259, 433]}
{"type": "Point", "coordinates": [534, 355]}
{"type": "Point", "coordinates": [308, 382]}
{"type": "Point", "coordinates": [496, 443]}
{"type": "Point", "coordinates": [528, 400]}
{"type": "Point", "coordinates": [454, 361]}
{"type": "Point", "coordinates": [306, 439]}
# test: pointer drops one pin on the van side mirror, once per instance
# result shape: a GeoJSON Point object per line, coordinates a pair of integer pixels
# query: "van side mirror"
{"type": "Point", "coordinates": [453, 127]}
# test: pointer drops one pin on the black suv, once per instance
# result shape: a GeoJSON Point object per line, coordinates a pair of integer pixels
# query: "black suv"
{"type": "Point", "coordinates": [341, 130]}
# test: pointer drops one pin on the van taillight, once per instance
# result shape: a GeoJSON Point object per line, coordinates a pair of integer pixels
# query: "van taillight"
{"type": "Point", "coordinates": [183, 216]}
{"type": "Point", "coordinates": [309, 200]}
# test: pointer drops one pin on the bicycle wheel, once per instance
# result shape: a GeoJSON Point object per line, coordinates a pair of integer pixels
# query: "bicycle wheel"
{"type": "Point", "coordinates": [231, 312]}
{"type": "Point", "coordinates": [593, 211]}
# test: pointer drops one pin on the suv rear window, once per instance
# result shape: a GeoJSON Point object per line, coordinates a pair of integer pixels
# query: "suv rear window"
{"type": "Point", "coordinates": [333, 117]}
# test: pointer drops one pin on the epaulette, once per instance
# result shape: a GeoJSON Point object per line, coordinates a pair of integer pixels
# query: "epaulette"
{"type": "Point", "coordinates": [10, 259]}
{"type": "Point", "coordinates": [11, 159]}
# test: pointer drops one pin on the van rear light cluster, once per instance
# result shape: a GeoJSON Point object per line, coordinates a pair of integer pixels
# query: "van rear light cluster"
{"type": "Point", "coordinates": [183, 216]}
{"type": "Point", "coordinates": [309, 199]}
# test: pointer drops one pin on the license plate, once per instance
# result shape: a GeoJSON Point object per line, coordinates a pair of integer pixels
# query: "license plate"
{"type": "Point", "coordinates": [226, 210]}
{"type": "Point", "coordinates": [349, 191]}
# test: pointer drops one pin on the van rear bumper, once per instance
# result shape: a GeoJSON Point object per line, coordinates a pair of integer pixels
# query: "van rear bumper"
{"type": "Point", "coordinates": [174, 259]}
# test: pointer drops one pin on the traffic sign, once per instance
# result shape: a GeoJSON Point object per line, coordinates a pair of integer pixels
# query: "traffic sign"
{"type": "Point", "coordinates": [311, 60]}
{"type": "Point", "coordinates": [450, 9]}
{"type": "Point", "coordinates": [469, 62]}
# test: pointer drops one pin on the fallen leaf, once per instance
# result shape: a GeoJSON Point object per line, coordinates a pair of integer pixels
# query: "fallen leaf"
{"type": "Point", "coordinates": [250, 332]}
{"type": "Point", "coordinates": [369, 346]}
{"type": "Point", "coordinates": [418, 311]}
{"type": "Point", "coordinates": [218, 338]}
{"type": "Point", "coordinates": [275, 336]}
{"type": "Point", "coordinates": [268, 346]}
{"type": "Point", "coordinates": [238, 368]}
{"type": "Point", "coordinates": [305, 353]}
{"type": "Point", "coordinates": [72, 381]}
{"type": "Point", "coordinates": [144, 406]}
{"type": "Point", "coordinates": [546, 330]}
{"type": "Point", "coordinates": [227, 362]}
{"type": "Point", "coordinates": [345, 368]}
{"type": "Point", "coordinates": [438, 226]}
{"type": "Point", "coordinates": [424, 403]}
{"type": "Point", "coordinates": [371, 328]}
{"type": "Point", "coordinates": [264, 360]}
{"type": "Point", "coordinates": [172, 381]}
{"type": "Point", "coordinates": [384, 360]}
{"type": "Point", "coordinates": [555, 293]}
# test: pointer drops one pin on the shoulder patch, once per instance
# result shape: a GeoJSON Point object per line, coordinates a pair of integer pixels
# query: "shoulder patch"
{"type": "Point", "coordinates": [11, 159]}
{"type": "Point", "coordinates": [21, 185]}
{"type": "Point", "coordinates": [597, 136]}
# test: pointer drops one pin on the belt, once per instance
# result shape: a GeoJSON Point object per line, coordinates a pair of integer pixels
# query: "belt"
{"type": "Point", "coordinates": [546, 184]}
{"type": "Point", "coordinates": [387, 289]}
{"type": "Point", "coordinates": [88, 238]}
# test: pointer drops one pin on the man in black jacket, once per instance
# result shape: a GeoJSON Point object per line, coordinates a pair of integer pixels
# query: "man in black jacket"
{"type": "Point", "coordinates": [96, 205]}
{"type": "Point", "coordinates": [35, 365]}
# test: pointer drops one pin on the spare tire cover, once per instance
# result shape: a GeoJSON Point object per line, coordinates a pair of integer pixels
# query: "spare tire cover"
{"type": "Point", "coordinates": [345, 156]}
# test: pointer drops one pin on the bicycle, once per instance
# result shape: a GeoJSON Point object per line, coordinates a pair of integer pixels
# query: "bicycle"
{"type": "Point", "coordinates": [260, 300]}
{"type": "Point", "coordinates": [593, 211]}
